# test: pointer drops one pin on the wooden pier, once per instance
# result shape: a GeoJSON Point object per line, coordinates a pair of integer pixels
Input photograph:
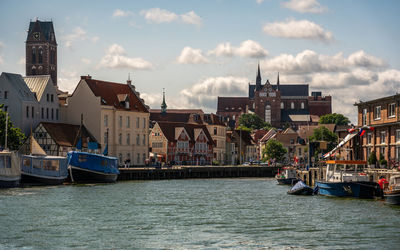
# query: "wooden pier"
{"type": "Point", "coordinates": [183, 172]}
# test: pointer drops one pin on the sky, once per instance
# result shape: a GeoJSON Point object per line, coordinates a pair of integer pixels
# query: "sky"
{"type": "Point", "coordinates": [199, 50]}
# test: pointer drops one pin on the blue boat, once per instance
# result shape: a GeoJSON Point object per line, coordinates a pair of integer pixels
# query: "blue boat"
{"type": "Point", "coordinates": [40, 168]}
{"type": "Point", "coordinates": [10, 173]}
{"type": "Point", "coordinates": [347, 179]}
{"type": "Point", "coordinates": [92, 168]}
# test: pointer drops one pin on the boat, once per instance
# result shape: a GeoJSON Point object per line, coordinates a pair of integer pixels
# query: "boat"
{"type": "Point", "coordinates": [40, 168]}
{"type": "Point", "coordinates": [347, 179]}
{"type": "Point", "coordinates": [92, 168]}
{"type": "Point", "coordinates": [10, 173]}
{"type": "Point", "coordinates": [392, 194]}
{"type": "Point", "coordinates": [287, 176]}
{"type": "Point", "coordinates": [300, 188]}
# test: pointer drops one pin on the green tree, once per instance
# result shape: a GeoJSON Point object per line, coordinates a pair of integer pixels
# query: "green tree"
{"type": "Point", "coordinates": [274, 150]}
{"type": "Point", "coordinates": [334, 118]}
{"type": "Point", "coordinates": [251, 121]}
{"type": "Point", "coordinates": [323, 134]}
{"type": "Point", "coordinates": [372, 159]}
{"type": "Point", "coordinates": [15, 137]}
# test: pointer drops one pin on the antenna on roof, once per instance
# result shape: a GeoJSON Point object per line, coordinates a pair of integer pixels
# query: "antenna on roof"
{"type": "Point", "coordinates": [129, 82]}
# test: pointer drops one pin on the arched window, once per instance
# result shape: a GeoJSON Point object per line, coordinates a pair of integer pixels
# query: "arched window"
{"type": "Point", "coordinates": [302, 105]}
{"type": "Point", "coordinates": [40, 55]}
{"type": "Point", "coordinates": [282, 105]}
{"type": "Point", "coordinates": [33, 55]}
{"type": "Point", "coordinates": [268, 113]}
{"type": "Point", "coordinates": [33, 70]}
{"type": "Point", "coordinates": [292, 105]}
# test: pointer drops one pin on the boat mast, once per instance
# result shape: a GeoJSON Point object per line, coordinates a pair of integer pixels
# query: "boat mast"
{"type": "Point", "coordinates": [5, 143]}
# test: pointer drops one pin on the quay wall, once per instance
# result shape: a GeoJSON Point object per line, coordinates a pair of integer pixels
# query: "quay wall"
{"type": "Point", "coordinates": [183, 172]}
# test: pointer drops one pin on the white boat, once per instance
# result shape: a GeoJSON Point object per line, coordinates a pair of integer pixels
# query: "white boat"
{"type": "Point", "coordinates": [10, 173]}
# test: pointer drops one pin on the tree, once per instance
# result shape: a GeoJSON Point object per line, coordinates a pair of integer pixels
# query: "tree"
{"type": "Point", "coordinates": [251, 121]}
{"type": "Point", "coordinates": [334, 118]}
{"type": "Point", "coordinates": [15, 137]}
{"type": "Point", "coordinates": [274, 150]}
{"type": "Point", "coordinates": [372, 159]}
{"type": "Point", "coordinates": [323, 134]}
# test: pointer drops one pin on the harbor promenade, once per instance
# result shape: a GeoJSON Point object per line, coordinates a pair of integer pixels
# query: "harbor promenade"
{"type": "Point", "coordinates": [183, 172]}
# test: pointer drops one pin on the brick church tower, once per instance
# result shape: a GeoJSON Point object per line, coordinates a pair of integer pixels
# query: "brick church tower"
{"type": "Point", "coordinates": [41, 50]}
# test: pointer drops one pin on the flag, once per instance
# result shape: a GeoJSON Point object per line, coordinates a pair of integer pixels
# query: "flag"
{"type": "Point", "coordinates": [105, 152]}
{"type": "Point", "coordinates": [79, 144]}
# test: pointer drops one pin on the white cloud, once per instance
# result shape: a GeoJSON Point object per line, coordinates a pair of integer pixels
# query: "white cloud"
{"type": "Point", "coordinates": [86, 60]}
{"type": "Point", "coordinates": [68, 79]}
{"type": "Point", "coordinates": [304, 6]}
{"type": "Point", "coordinates": [78, 34]}
{"type": "Point", "coordinates": [360, 58]}
{"type": "Point", "coordinates": [192, 18]}
{"type": "Point", "coordinates": [191, 56]}
{"type": "Point", "coordinates": [302, 29]}
{"type": "Point", "coordinates": [157, 15]}
{"type": "Point", "coordinates": [121, 13]}
{"type": "Point", "coordinates": [116, 58]}
{"type": "Point", "coordinates": [247, 48]}
{"type": "Point", "coordinates": [134, 25]}
{"type": "Point", "coordinates": [259, 1]}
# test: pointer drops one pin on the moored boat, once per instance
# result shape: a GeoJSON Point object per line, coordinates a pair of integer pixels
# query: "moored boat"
{"type": "Point", "coordinates": [92, 168]}
{"type": "Point", "coordinates": [10, 173]}
{"type": "Point", "coordinates": [287, 176]}
{"type": "Point", "coordinates": [300, 188]}
{"type": "Point", "coordinates": [347, 179]}
{"type": "Point", "coordinates": [392, 194]}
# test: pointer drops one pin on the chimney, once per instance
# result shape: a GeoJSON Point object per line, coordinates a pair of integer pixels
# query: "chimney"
{"type": "Point", "coordinates": [88, 77]}
{"type": "Point", "coordinates": [129, 81]}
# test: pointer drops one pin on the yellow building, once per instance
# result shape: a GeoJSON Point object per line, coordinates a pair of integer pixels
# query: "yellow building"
{"type": "Point", "coordinates": [113, 113]}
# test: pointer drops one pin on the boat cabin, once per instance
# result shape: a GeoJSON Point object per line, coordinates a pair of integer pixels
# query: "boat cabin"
{"type": "Point", "coordinates": [345, 171]}
{"type": "Point", "coordinates": [289, 172]}
{"type": "Point", "coordinates": [394, 183]}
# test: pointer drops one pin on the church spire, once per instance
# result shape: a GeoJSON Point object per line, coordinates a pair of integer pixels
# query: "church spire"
{"type": "Point", "coordinates": [163, 104]}
{"type": "Point", "coordinates": [258, 79]}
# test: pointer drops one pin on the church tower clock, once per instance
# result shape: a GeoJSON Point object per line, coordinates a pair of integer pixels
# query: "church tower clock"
{"type": "Point", "coordinates": [41, 50]}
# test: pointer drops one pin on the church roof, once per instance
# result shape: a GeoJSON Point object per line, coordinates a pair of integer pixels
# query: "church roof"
{"type": "Point", "coordinates": [232, 103]}
{"type": "Point", "coordinates": [45, 27]}
{"type": "Point", "coordinates": [37, 84]}
{"type": "Point", "coordinates": [285, 89]}
{"type": "Point", "coordinates": [292, 115]}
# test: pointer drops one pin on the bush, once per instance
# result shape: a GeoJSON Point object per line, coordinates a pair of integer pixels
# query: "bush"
{"type": "Point", "coordinates": [215, 162]}
{"type": "Point", "coordinates": [372, 158]}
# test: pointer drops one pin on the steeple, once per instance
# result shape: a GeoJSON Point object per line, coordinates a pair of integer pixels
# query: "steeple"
{"type": "Point", "coordinates": [163, 104]}
{"type": "Point", "coordinates": [277, 82]}
{"type": "Point", "coordinates": [258, 79]}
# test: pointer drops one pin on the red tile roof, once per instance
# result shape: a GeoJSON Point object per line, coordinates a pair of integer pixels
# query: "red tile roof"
{"type": "Point", "coordinates": [229, 104]}
{"type": "Point", "coordinates": [66, 134]}
{"type": "Point", "coordinates": [111, 94]}
{"type": "Point", "coordinates": [179, 111]}
{"type": "Point", "coordinates": [168, 129]}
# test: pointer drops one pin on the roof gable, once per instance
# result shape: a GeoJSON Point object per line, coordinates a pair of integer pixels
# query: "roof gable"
{"type": "Point", "coordinates": [17, 82]}
{"type": "Point", "coordinates": [38, 84]}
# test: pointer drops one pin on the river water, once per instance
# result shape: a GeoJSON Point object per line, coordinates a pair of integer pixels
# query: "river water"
{"type": "Point", "coordinates": [191, 214]}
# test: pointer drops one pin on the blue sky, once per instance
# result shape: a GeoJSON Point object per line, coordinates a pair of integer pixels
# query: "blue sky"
{"type": "Point", "coordinates": [198, 50]}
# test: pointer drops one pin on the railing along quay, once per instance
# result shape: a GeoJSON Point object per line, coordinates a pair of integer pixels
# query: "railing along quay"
{"type": "Point", "coordinates": [183, 172]}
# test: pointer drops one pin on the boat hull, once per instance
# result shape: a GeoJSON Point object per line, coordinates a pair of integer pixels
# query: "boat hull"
{"type": "Point", "coordinates": [9, 182]}
{"type": "Point", "coordinates": [82, 175]}
{"type": "Point", "coordinates": [33, 179]}
{"type": "Point", "coordinates": [360, 189]}
{"type": "Point", "coordinates": [301, 191]}
{"type": "Point", "coordinates": [392, 197]}
{"type": "Point", "coordinates": [287, 181]}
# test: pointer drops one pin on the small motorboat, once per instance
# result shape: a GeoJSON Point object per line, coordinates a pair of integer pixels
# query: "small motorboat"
{"type": "Point", "coordinates": [392, 194]}
{"type": "Point", "coordinates": [287, 176]}
{"type": "Point", "coordinates": [300, 188]}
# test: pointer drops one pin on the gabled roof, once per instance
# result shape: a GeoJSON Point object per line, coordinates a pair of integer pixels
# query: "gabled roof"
{"type": "Point", "coordinates": [168, 129]}
{"type": "Point", "coordinates": [232, 103]}
{"type": "Point", "coordinates": [37, 84]}
{"type": "Point", "coordinates": [259, 134]}
{"type": "Point", "coordinates": [286, 139]}
{"type": "Point", "coordinates": [268, 135]}
{"type": "Point", "coordinates": [176, 117]}
{"type": "Point", "coordinates": [109, 92]}
{"type": "Point", "coordinates": [285, 89]}
{"type": "Point", "coordinates": [42, 26]}
{"type": "Point", "coordinates": [213, 119]}
{"type": "Point", "coordinates": [67, 134]}
{"type": "Point", "coordinates": [17, 82]}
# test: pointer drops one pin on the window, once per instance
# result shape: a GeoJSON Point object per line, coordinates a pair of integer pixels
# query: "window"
{"type": "Point", "coordinates": [120, 158]}
{"type": "Point", "coordinates": [120, 139]}
{"type": "Point", "coordinates": [383, 151]}
{"type": "Point", "coordinates": [137, 139]}
{"type": "Point", "coordinates": [52, 114]}
{"type": "Point", "coordinates": [40, 55]}
{"type": "Point", "coordinates": [369, 138]}
{"type": "Point", "coordinates": [33, 70]}
{"type": "Point", "coordinates": [268, 113]}
{"type": "Point", "coordinates": [144, 157]}
{"type": "Point", "coordinates": [215, 130]}
{"type": "Point", "coordinates": [144, 122]}
{"type": "Point", "coordinates": [397, 153]}
{"type": "Point", "coordinates": [42, 113]}
{"type": "Point", "coordinates": [302, 105]}
{"type": "Point", "coordinates": [398, 135]}
{"type": "Point", "coordinates": [57, 114]}
{"type": "Point", "coordinates": [377, 112]}
{"type": "Point", "coordinates": [27, 112]}
{"type": "Point", "coordinates": [128, 121]}
{"type": "Point", "coordinates": [282, 105]}
{"type": "Point", "coordinates": [120, 121]}
{"type": "Point", "coordinates": [5, 94]}
{"type": "Point", "coordinates": [105, 137]}
{"type": "Point", "coordinates": [137, 122]}
{"type": "Point", "coordinates": [105, 120]}
{"type": "Point", "coordinates": [52, 98]}
{"type": "Point", "coordinates": [128, 139]}
{"type": "Point", "coordinates": [33, 55]}
{"type": "Point", "coordinates": [299, 151]}
{"type": "Point", "coordinates": [138, 158]}
{"type": "Point", "coordinates": [383, 137]}
{"type": "Point", "coordinates": [48, 97]}
{"type": "Point", "coordinates": [364, 117]}
{"type": "Point", "coordinates": [292, 105]}
{"type": "Point", "coordinates": [368, 152]}
{"type": "Point", "coordinates": [144, 139]}
{"type": "Point", "coordinates": [391, 110]}
{"type": "Point", "coordinates": [33, 112]}
{"type": "Point", "coordinates": [47, 113]}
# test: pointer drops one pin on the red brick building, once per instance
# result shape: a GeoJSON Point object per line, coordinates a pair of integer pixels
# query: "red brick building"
{"type": "Point", "coordinates": [277, 104]}
{"type": "Point", "coordinates": [384, 115]}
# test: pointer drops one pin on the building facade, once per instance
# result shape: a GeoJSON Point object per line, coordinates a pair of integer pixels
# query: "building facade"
{"type": "Point", "coordinates": [383, 115]}
{"type": "Point", "coordinates": [41, 50]}
{"type": "Point", "coordinates": [277, 104]}
{"type": "Point", "coordinates": [115, 114]}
